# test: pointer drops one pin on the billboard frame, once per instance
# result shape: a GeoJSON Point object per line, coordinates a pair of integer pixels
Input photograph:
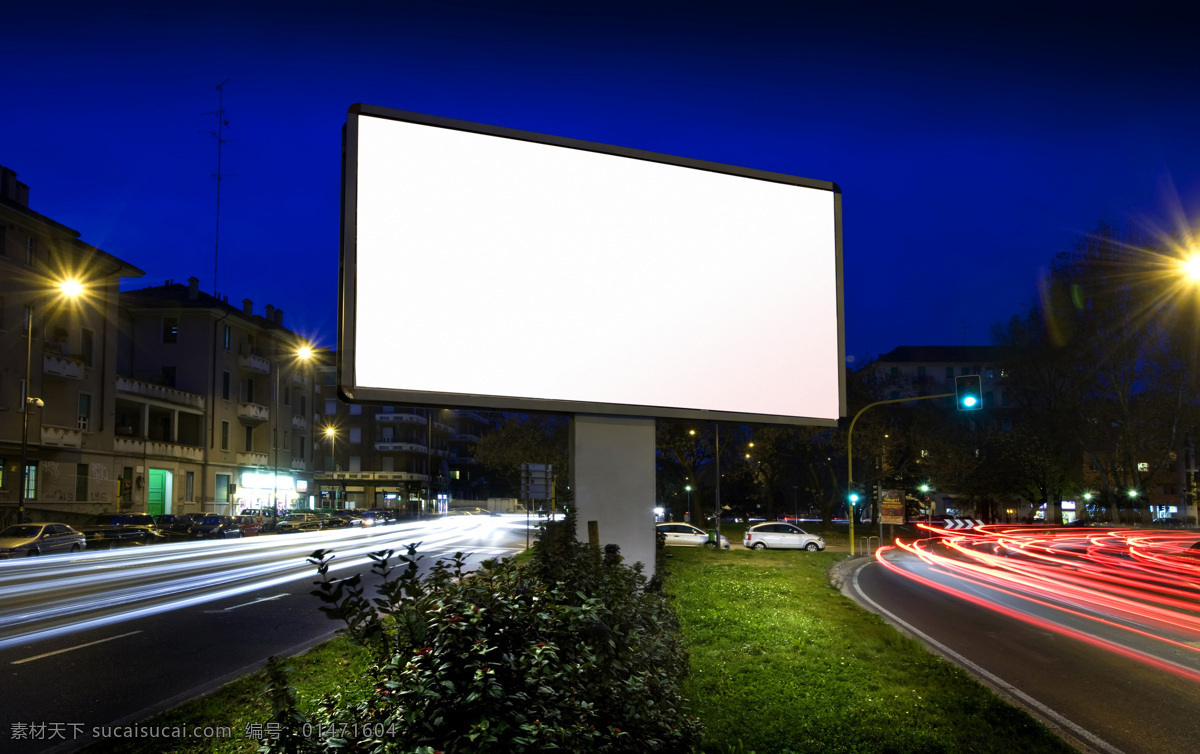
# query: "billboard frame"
{"type": "Point", "coordinates": [347, 269]}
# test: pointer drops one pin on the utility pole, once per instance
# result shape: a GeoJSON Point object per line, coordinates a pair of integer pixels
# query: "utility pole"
{"type": "Point", "coordinates": [222, 124]}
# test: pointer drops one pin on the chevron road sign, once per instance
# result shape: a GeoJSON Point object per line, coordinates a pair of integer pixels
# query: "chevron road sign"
{"type": "Point", "coordinates": [962, 523]}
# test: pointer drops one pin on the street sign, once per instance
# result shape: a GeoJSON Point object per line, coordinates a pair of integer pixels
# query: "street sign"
{"type": "Point", "coordinates": [537, 481]}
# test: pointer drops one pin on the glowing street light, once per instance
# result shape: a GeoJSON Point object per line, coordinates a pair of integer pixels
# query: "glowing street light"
{"type": "Point", "coordinates": [301, 354]}
{"type": "Point", "coordinates": [71, 289]}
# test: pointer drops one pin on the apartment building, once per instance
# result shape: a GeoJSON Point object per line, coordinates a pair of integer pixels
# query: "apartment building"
{"type": "Point", "coordinates": [411, 459]}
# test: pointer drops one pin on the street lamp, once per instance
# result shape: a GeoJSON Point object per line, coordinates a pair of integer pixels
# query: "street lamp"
{"type": "Point", "coordinates": [688, 488]}
{"type": "Point", "coordinates": [71, 289]}
{"type": "Point", "coordinates": [331, 433]}
{"type": "Point", "coordinates": [303, 353]}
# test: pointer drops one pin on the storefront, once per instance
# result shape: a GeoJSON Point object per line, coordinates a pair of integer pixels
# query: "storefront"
{"type": "Point", "coordinates": [257, 489]}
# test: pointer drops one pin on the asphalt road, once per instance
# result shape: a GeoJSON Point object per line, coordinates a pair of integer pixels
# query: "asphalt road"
{"type": "Point", "coordinates": [110, 638]}
{"type": "Point", "coordinates": [1100, 698]}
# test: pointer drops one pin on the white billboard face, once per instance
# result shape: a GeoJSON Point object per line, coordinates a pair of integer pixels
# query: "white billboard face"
{"type": "Point", "coordinates": [491, 268]}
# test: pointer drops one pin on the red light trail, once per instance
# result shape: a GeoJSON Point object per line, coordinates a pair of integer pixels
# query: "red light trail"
{"type": "Point", "coordinates": [1132, 586]}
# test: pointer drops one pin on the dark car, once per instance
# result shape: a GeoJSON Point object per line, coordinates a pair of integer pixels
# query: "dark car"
{"type": "Point", "coordinates": [384, 516]}
{"type": "Point", "coordinates": [298, 522]}
{"type": "Point", "coordinates": [268, 517]}
{"type": "Point", "coordinates": [106, 530]}
{"type": "Point", "coordinates": [349, 516]}
{"type": "Point", "coordinates": [336, 522]}
{"type": "Point", "coordinates": [215, 527]}
{"type": "Point", "coordinates": [22, 540]}
{"type": "Point", "coordinates": [179, 524]}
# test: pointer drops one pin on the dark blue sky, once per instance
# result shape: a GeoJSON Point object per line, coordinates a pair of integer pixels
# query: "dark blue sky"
{"type": "Point", "coordinates": [971, 146]}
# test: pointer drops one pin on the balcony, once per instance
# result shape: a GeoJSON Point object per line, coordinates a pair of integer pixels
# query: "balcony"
{"type": "Point", "coordinates": [400, 447]}
{"type": "Point", "coordinates": [251, 459]}
{"type": "Point", "coordinates": [464, 437]}
{"type": "Point", "coordinates": [254, 363]}
{"type": "Point", "coordinates": [253, 413]}
{"type": "Point", "coordinates": [63, 437]}
{"type": "Point", "coordinates": [299, 465]}
{"type": "Point", "coordinates": [159, 392]}
{"type": "Point", "coordinates": [402, 418]}
{"type": "Point", "coordinates": [367, 476]}
{"type": "Point", "coordinates": [299, 422]}
{"type": "Point", "coordinates": [463, 460]}
{"type": "Point", "coordinates": [62, 365]}
{"type": "Point", "coordinates": [172, 450]}
{"type": "Point", "coordinates": [298, 379]}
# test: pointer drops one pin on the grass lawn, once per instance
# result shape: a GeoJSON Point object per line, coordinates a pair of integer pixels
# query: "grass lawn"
{"type": "Point", "coordinates": [781, 661]}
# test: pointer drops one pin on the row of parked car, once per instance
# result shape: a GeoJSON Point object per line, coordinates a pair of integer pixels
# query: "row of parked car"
{"type": "Point", "coordinates": [776, 535]}
{"type": "Point", "coordinates": [107, 530]}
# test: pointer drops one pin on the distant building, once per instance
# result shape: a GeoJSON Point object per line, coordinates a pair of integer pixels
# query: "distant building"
{"type": "Point", "coordinates": [395, 456]}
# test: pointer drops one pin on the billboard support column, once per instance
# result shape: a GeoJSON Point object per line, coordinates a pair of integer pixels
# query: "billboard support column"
{"type": "Point", "coordinates": [612, 476]}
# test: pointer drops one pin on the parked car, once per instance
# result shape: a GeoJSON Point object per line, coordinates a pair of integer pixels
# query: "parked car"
{"type": "Point", "coordinates": [298, 522]}
{"type": "Point", "coordinates": [249, 525]}
{"type": "Point", "coordinates": [349, 516]}
{"type": "Point", "coordinates": [268, 517]}
{"type": "Point", "coordinates": [781, 536]}
{"type": "Point", "coordinates": [384, 516]}
{"type": "Point", "coordinates": [337, 522]}
{"type": "Point", "coordinates": [119, 529]}
{"type": "Point", "coordinates": [179, 524]}
{"type": "Point", "coordinates": [687, 535]}
{"type": "Point", "coordinates": [23, 540]}
{"type": "Point", "coordinates": [215, 527]}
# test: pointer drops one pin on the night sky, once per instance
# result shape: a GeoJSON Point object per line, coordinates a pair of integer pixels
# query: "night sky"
{"type": "Point", "coordinates": [970, 146]}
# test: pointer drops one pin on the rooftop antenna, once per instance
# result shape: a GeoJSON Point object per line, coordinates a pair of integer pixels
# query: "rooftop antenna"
{"type": "Point", "coordinates": [219, 134]}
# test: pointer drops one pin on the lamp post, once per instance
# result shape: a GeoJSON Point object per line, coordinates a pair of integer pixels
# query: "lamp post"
{"type": "Point", "coordinates": [331, 433]}
{"type": "Point", "coordinates": [71, 289]}
{"type": "Point", "coordinates": [301, 354]}
{"type": "Point", "coordinates": [688, 489]}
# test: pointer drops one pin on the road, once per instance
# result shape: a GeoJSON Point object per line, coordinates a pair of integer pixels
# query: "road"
{"type": "Point", "coordinates": [1097, 633]}
{"type": "Point", "coordinates": [109, 638]}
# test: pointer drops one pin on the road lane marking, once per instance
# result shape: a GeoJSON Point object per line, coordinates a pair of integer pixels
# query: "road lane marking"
{"type": "Point", "coordinates": [1007, 687]}
{"type": "Point", "coordinates": [247, 604]}
{"type": "Point", "coordinates": [72, 649]}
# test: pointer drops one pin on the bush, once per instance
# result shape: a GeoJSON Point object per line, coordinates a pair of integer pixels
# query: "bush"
{"type": "Point", "coordinates": [569, 652]}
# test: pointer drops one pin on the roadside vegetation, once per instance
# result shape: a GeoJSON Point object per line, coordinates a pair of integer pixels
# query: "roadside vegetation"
{"type": "Point", "coordinates": [775, 658]}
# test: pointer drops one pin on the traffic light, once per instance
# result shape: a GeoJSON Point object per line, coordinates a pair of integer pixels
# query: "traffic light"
{"type": "Point", "coordinates": [968, 391]}
{"type": "Point", "coordinates": [853, 495]}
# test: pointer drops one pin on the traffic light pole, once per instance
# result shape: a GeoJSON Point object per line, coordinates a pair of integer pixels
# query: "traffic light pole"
{"type": "Point", "coordinates": [850, 446]}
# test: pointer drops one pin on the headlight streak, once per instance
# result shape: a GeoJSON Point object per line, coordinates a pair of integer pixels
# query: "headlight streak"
{"type": "Point", "coordinates": [143, 580]}
{"type": "Point", "coordinates": [1128, 581]}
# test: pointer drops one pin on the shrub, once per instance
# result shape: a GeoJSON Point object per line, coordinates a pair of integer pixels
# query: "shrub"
{"type": "Point", "coordinates": [568, 652]}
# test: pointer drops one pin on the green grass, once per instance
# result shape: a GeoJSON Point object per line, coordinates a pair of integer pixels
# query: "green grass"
{"type": "Point", "coordinates": [781, 661]}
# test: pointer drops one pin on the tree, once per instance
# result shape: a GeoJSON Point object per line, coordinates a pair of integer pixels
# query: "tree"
{"type": "Point", "coordinates": [527, 438]}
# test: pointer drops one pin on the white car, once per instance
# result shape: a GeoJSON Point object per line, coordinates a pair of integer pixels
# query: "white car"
{"type": "Point", "coordinates": [686, 535]}
{"type": "Point", "coordinates": [781, 536]}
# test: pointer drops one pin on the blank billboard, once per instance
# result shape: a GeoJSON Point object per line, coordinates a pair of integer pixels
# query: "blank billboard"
{"type": "Point", "coordinates": [485, 267]}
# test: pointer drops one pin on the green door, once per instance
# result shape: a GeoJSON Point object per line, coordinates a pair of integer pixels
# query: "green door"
{"type": "Point", "coordinates": [156, 492]}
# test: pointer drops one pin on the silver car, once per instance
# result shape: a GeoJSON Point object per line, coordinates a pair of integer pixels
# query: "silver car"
{"type": "Point", "coordinates": [20, 540]}
{"type": "Point", "coordinates": [686, 535]}
{"type": "Point", "coordinates": [782, 536]}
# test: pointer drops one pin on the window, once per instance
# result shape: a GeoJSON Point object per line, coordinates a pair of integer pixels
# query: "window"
{"type": "Point", "coordinates": [249, 390]}
{"type": "Point", "coordinates": [226, 382]}
{"type": "Point", "coordinates": [30, 249]}
{"type": "Point", "coordinates": [228, 339]}
{"type": "Point", "coordinates": [286, 440]}
{"type": "Point", "coordinates": [224, 435]}
{"type": "Point", "coordinates": [189, 485]}
{"type": "Point", "coordinates": [303, 441]}
{"type": "Point", "coordinates": [355, 463]}
{"type": "Point", "coordinates": [964, 371]}
{"type": "Point", "coordinates": [81, 482]}
{"type": "Point", "coordinates": [330, 379]}
{"type": "Point", "coordinates": [991, 374]}
{"type": "Point", "coordinates": [221, 493]}
{"type": "Point", "coordinates": [31, 480]}
{"type": "Point", "coordinates": [1143, 467]}
{"type": "Point", "coordinates": [894, 371]}
{"type": "Point", "coordinates": [303, 406]}
{"type": "Point", "coordinates": [924, 453]}
{"type": "Point", "coordinates": [920, 371]}
{"type": "Point", "coordinates": [24, 398]}
{"type": "Point", "coordinates": [87, 344]}
{"type": "Point", "coordinates": [1005, 400]}
{"type": "Point", "coordinates": [85, 411]}
{"type": "Point", "coordinates": [330, 406]}
{"type": "Point", "coordinates": [249, 439]}
{"type": "Point", "coordinates": [170, 330]}
{"type": "Point", "coordinates": [949, 372]}
{"type": "Point", "coordinates": [355, 409]}
{"type": "Point", "coordinates": [287, 396]}
{"type": "Point", "coordinates": [168, 376]}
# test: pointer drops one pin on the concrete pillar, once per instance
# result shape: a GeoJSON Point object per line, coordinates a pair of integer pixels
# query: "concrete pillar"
{"type": "Point", "coordinates": [612, 478]}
